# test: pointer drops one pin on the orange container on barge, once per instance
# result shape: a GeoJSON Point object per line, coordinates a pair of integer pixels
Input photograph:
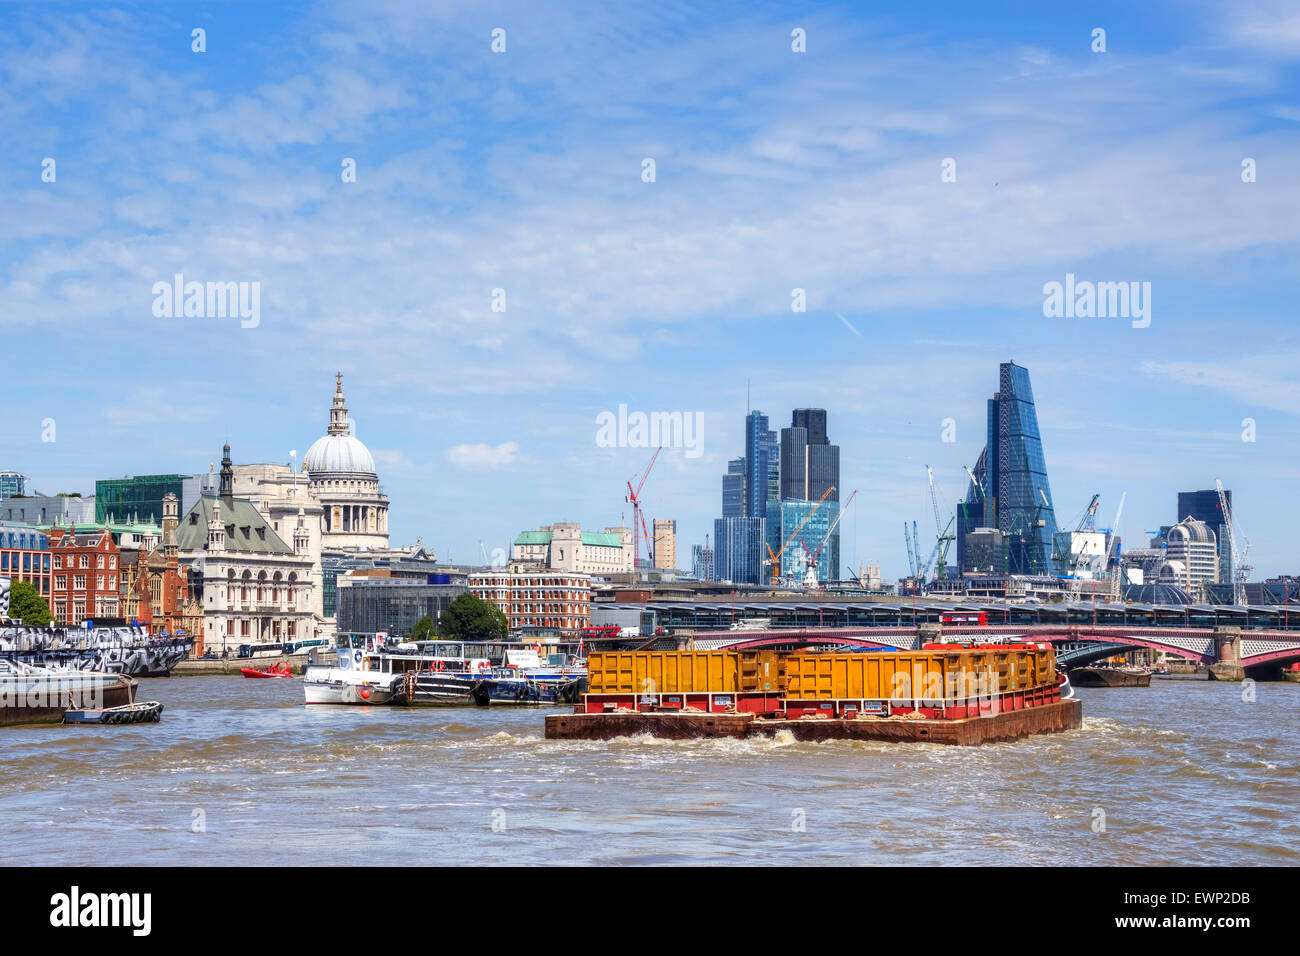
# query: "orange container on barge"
{"type": "Point", "coordinates": [947, 693]}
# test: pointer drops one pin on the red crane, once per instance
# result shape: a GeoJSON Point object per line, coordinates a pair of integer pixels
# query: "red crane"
{"type": "Point", "coordinates": [638, 520]}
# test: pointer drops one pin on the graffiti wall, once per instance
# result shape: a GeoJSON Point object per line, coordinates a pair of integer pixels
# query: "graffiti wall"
{"type": "Point", "coordinates": [116, 650]}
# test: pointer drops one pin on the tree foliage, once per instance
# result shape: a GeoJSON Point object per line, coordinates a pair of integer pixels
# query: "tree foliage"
{"type": "Point", "coordinates": [425, 629]}
{"type": "Point", "coordinates": [469, 618]}
{"type": "Point", "coordinates": [26, 605]}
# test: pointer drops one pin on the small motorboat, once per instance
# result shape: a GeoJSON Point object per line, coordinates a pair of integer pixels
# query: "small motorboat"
{"type": "Point", "coordinates": [141, 712]}
{"type": "Point", "coordinates": [279, 670]}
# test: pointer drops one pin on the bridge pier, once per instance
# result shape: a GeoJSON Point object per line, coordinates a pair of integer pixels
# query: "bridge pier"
{"type": "Point", "coordinates": [1227, 652]}
{"type": "Point", "coordinates": [929, 634]}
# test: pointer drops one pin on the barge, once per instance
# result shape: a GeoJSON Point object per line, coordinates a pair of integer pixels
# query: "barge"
{"type": "Point", "coordinates": [951, 694]}
{"type": "Point", "coordinates": [1106, 676]}
{"type": "Point", "coordinates": [42, 695]}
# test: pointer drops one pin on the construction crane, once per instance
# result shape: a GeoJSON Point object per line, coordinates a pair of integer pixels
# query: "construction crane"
{"type": "Point", "coordinates": [1240, 570]}
{"type": "Point", "coordinates": [911, 556]}
{"type": "Point", "coordinates": [776, 558]}
{"type": "Point", "coordinates": [1116, 592]}
{"type": "Point", "coordinates": [916, 546]}
{"type": "Point", "coordinates": [810, 577]}
{"type": "Point", "coordinates": [943, 533]}
{"type": "Point", "coordinates": [638, 519]}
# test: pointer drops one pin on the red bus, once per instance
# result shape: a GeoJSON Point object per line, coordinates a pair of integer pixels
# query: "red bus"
{"type": "Point", "coordinates": [965, 617]}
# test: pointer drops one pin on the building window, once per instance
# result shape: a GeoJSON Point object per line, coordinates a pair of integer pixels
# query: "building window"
{"type": "Point", "coordinates": [79, 582]}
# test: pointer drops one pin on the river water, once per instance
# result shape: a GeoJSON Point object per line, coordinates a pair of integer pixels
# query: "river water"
{"type": "Point", "coordinates": [242, 772]}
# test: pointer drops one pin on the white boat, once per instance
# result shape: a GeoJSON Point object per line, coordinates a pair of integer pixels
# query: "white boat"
{"type": "Point", "coordinates": [442, 672]}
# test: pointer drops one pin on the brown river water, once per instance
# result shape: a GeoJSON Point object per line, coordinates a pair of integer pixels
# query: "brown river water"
{"type": "Point", "coordinates": [242, 772]}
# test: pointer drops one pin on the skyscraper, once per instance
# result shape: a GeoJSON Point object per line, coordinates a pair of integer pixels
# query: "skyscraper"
{"type": "Point", "coordinates": [758, 452]}
{"type": "Point", "coordinates": [810, 466]}
{"type": "Point", "coordinates": [1013, 473]}
{"type": "Point", "coordinates": [733, 489]}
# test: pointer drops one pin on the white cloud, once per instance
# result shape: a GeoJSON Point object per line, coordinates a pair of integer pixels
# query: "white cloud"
{"type": "Point", "coordinates": [1269, 381]}
{"type": "Point", "coordinates": [481, 457]}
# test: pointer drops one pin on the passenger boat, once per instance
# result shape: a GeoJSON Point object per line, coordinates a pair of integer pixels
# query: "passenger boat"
{"type": "Point", "coordinates": [445, 672]}
{"type": "Point", "coordinates": [40, 695]}
{"type": "Point", "coordinates": [279, 670]}
{"type": "Point", "coordinates": [141, 712]}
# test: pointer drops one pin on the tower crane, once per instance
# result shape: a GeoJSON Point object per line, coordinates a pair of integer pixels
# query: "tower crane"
{"type": "Point", "coordinates": [1240, 570]}
{"type": "Point", "coordinates": [943, 533]}
{"type": "Point", "coordinates": [638, 519]}
{"type": "Point", "coordinates": [1116, 592]}
{"type": "Point", "coordinates": [776, 558]}
{"type": "Point", "coordinates": [916, 546]}
{"type": "Point", "coordinates": [911, 557]}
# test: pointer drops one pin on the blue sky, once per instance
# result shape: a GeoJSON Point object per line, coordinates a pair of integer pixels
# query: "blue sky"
{"type": "Point", "coordinates": [775, 170]}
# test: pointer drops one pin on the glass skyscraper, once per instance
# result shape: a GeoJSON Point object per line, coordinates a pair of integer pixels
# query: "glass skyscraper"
{"type": "Point", "coordinates": [737, 543]}
{"type": "Point", "coordinates": [810, 466]}
{"type": "Point", "coordinates": [1018, 499]}
{"type": "Point", "coordinates": [1204, 506]}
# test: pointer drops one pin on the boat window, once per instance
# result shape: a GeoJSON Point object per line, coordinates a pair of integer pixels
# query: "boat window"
{"type": "Point", "coordinates": [475, 650]}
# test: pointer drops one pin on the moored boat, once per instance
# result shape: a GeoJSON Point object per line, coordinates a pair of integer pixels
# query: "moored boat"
{"type": "Point", "coordinates": [279, 670]}
{"type": "Point", "coordinates": [141, 712]}
{"type": "Point", "coordinates": [1107, 676]}
{"type": "Point", "coordinates": [41, 695]}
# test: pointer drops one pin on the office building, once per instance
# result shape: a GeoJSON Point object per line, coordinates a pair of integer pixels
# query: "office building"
{"type": "Point", "coordinates": [1204, 507]}
{"type": "Point", "coordinates": [733, 489]}
{"type": "Point", "coordinates": [566, 547]}
{"type": "Point", "coordinates": [1017, 499]}
{"type": "Point", "coordinates": [12, 483]}
{"type": "Point", "coordinates": [665, 532]}
{"type": "Point", "coordinates": [64, 510]}
{"type": "Point", "coordinates": [738, 550]}
{"type": "Point", "coordinates": [536, 601]}
{"type": "Point", "coordinates": [137, 499]}
{"type": "Point", "coordinates": [371, 601]}
{"type": "Point", "coordinates": [25, 556]}
{"type": "Point", "coordinates": [1192, 556]}
{"type": "Point", "coordinates": [810, 467]}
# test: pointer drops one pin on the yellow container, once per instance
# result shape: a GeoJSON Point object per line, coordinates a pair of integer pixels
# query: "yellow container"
{"type": "Point", "coordinates": [663, 672]}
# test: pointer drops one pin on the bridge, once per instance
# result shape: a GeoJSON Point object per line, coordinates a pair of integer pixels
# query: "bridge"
{"type": "Point", "coordinates": [1229, 650]}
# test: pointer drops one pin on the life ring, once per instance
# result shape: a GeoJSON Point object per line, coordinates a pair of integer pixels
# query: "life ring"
{"type": "Point", "coordinates": [356, 656]}
{"type": "Point", "coordinates": [437, 666]}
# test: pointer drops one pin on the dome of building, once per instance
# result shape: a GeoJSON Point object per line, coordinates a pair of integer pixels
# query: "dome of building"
{"type": "Point", "coordinates": [1189, 530]}
{"type": "Point", "coordinates": [338, 451]}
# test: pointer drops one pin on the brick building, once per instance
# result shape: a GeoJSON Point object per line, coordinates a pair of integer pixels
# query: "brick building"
{"type": "Point", "coordinates": [537, 599]}
{"type": "Point", "coordinates": [86, 571]}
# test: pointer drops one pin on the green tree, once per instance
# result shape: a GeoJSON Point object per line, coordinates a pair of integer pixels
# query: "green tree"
{"type": "Point", "coordinates": [425, 629]}
{"type": "Point", "coordinates": [469, 618]}
{"type": "Point", "coordinates": [26, 605]}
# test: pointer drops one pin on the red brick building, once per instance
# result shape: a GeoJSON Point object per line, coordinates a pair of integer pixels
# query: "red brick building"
{"type": "Point", "coordinates": [537, 599]}
{"type": "Point", "coordinates": [86, 571]}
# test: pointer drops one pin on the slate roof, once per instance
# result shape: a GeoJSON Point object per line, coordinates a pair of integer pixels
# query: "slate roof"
{"type": "Point", "coordinates": [246, 529]}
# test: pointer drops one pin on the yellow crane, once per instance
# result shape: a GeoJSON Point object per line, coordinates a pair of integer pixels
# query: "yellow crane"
{"type": "Point", "coordinates": [776, 558]}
